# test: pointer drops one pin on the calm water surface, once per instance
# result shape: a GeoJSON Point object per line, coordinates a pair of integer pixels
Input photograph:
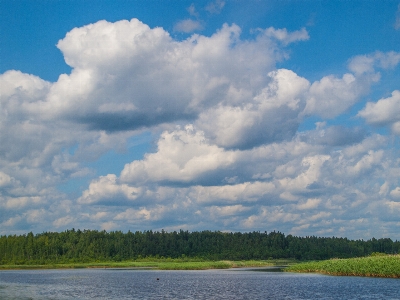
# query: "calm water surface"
{"type": "Point", "coordinates": [210, 284]}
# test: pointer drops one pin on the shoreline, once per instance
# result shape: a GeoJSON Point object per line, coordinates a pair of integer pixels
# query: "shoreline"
{"type": "Point", "coordinates": [154, 265]}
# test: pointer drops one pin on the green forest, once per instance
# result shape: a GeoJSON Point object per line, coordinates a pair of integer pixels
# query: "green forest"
{"type": "Point", "coordinates": [73, 246]}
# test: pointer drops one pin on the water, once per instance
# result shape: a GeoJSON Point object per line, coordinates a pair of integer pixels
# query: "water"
{"type": "Point", "coordinates": [210, 284]}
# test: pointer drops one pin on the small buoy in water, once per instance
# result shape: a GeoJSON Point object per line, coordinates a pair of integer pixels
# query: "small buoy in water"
{"type": "Point", "coordinates": [158, 278]}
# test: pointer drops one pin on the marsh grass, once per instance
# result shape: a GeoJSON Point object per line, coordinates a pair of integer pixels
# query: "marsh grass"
{"type": "Point", "coordinates": [372, 266]}
{"type": "Point", "coordinates": [160, 264]}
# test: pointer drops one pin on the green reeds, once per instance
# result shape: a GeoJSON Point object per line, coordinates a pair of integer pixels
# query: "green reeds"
{"type": "Point", "coordinates": [371, 266]}
{"type": "Point", "coordinates": [161, 264]}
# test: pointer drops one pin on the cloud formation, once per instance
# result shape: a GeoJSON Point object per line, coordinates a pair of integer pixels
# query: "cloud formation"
{"type": "Point", "coordinates": [286, 37]}
{"type": "Point", "coordinates": [272, 115]}
{"type": "Point", "coordinates": [384, 112]}
{"type": "Point", "coordinates": [128, 63]}
{"type": "Point", "coordinates": [228, 153]}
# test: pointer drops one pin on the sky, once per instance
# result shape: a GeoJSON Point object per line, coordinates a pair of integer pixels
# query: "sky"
{"type": "Point", "coordinates": [223, 115]}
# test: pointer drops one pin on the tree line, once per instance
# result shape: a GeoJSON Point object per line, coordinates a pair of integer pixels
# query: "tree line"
{"type": "Point", "coordinates": [96, 246]}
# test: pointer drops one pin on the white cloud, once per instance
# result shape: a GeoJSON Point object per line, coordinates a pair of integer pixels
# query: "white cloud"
{"type": "Point", "coordinates": [192, 10]}
{"type": "Point", "coordinates": [384, 112]}
{"type": "Point", "coordinates": [183, 155]}
{"type": "Point", "coordinates": [107, 190]}
{"type": "Point", "coordinates": [320, 215]}
{"type": "Point", "coordinates": [240, 163]}
{"type": "Point", "coordinates": [331, 96]}
{"type": "Point", "coordinates": [309, 204]}
{"type": "Point", "coordinates": [396, 128]}
{"type": "Point", "coordinates": [108, 226]}
{"type": "Point", "coordinates": [238, 193]}
{"type": "Point", "coordinates": [362, 64]}
{"type": "Point", "coordinates": [317, 193]}
{"type": "Point", "coordinates": [64, 221]}
{"type": "Point", "coordinates": [12, 221]}
{"type": "Point", "coordinates": [5, 180]}
{"type": "Point", "coordinates": [367, 162]}
{"type": "Point", "coordinates": [34, 148]}
{"type": "Point", "coordinates": [272, 115]}
{"type": "Point", "coordinates": [312, 174]}
{"type": "Point", "coordinates": [98, 216]}
{"type": "Point", "coordinates": [384, 189]}
{"type": "Point", "coordinates": [286, 37]}
{"type": "Point", "coordinates": [334, 135]}
{"type": "Point", "coordinates": [218, 211]}
{"type": "Point", "coordinates": [270, 216]}
{"type": "Point", "coordinates": [142, 214]}
{"type": "Point", "coordinates": [188, 25]}
{"type": "Point", "coordinates": [121, 65]}
{"type": "Point", "coordinates": [395, 194]}
{"type": "Point", "coordinates": [388, 60]}
{"type": "Point", "coordinates": [370, 143]}
{"type": "Point", "coordinates": [21, 202]}
{"type": "Point", "coordinates": [21, 96]}
{"type": "Point", "coordinates": [24, 88]}
{"type": "Point", "coordinates": [215, 7]}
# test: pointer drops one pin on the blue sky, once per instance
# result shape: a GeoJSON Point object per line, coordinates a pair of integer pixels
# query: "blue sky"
{"type": "Point", "coordinates": [217, 115]}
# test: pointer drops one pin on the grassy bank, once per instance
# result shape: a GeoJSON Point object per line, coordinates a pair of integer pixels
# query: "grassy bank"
{"type": "Point", "coordinates": [160, 264]}
{"type": "Point", "coordinates": [373, 266]}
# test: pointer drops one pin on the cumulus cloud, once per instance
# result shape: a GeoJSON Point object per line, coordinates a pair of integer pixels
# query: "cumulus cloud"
{"type": "Point", "coordinates": [125, 76]}
{"type": "Point", "coordinates": [21, 95]}
{"type": "Point", "coordinates": [309, 204]}
{"type": "Point", "coordinates": [107, 190]}
{"type": "Point", "coordinates": [306, 180]}
{"type": "Point", "coordinates": [368, 63]}
{"type": "Point", "coordinates": [331, 96]}
{"type": "Point", "coordinates": [395, 193]}
{"type": "Point", "coordinates": [63, 222]}
{"type": "Point", "coordinates": [152, 79]}
{"type": "Point", "coordinates": [297, 186]}
{"type": "Point", "coordinates": [143, 214]}
{"type": "Point", "coordinates": [227, 151]}
{"type": "Point", "coordinates": [4, 179]}
{"type": "Point", "coordinates": [272, 115]}
{"type": "Point", "coordinates": [366, 163]}
{"type": "Point", "coordinates": [385, 111]}
{"type": "Point", "coordinates": [182, 156]}
{"type": "Point", "coordinates": [237, 193]}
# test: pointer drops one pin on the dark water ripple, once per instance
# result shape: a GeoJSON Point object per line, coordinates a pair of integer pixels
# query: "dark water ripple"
{"type": "Point", "coordinates": [210, 284]}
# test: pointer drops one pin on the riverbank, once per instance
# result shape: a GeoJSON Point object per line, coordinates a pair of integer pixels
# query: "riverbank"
{"type": "Point", "coordinates": [159, 264]}
{"type": "Point", "coordinates": [387, 266]}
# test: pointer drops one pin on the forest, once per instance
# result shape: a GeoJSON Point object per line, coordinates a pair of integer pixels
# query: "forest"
{"type": "Point", "coordinates": [73, 246]}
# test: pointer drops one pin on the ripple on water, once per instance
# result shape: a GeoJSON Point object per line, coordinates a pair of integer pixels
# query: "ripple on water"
{"type": "Point", "coordinates": [210, 284]}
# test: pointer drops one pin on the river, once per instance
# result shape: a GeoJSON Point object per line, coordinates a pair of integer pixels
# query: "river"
{"type": "Point", "coordinates": [209, 284]}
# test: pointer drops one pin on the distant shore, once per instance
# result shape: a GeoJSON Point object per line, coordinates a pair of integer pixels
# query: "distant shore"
{"type": "Point", "coordinates": [159, 264]}
{"type": "Point", "coordinates": [386, 266]}
{"type": "Point", "coordinates": [380, 265]}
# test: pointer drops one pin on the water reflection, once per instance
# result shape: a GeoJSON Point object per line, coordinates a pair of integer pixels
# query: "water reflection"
{"type": "Point", "coordinates": [261, 269]}
{"type": "Point", "coordinates": [251, 283]}
{"type": "Point", "coordinates": [269, 269]}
